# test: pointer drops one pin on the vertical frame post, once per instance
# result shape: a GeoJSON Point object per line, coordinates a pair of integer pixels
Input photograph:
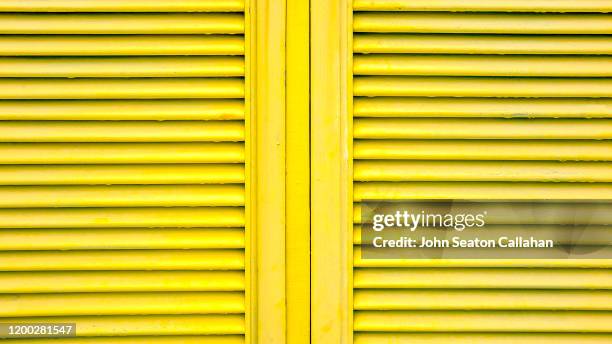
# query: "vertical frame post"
{"type": "Point", "coordinates": [265, 154]}
{"type": "Point", "coordinates": [298, 172]}
{"type": "Point", "coordinates": [331, 133]}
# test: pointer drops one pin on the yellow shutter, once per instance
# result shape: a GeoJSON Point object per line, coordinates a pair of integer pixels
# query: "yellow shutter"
{"type": "Point", "coordinates": [122, 169]}
{"type": "Point", "coordinates": [157, 183]}
{"type": "Point", "coordinates": [481, 99]}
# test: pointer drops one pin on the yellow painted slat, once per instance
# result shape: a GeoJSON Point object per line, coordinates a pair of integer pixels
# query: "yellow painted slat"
{"type": "Point", "coordinates": [122, 260]}
{"type": "Point", "coordinates": [483, 321]}
{"type": "Point", "coordinates": [121, 196]}
{"type": "Point", "coordinates": [481, 190]}
{"type": "Point", "coordinates": [481, 65]}
{"type": "Point", "coordinates": [569, 234]}
{"type": "Point", "coordinates": [525, 262]}
{"type": "Point", "coordinates": [587, 255]}
{"type": "Point", "coordinates": [481, 107]}
{"type": "Point", "coordinates": [480, 44]}
{"type": "Point", "coordinates": [146, 325]}
{"type": "Point", "coordinates": [121, 174]}
{"type": "Point", "coordinates": [516, 128]}
{"type": "Point", "coordinates": [488, 278]}
{"type": "Point", "coordinates": [485, 5]}
{"type": "Point", "coordinates": [480, 87]}
{"type": "Point", "coordinates": [481, 338]}
{"type": "Point", "coordinates": [538, 212]}
{"type": "Point", "coordinates": [120, 238]}
{"type": "Point", "coordinates": [130, 45]}
{"type": "Point", "coordinates": [121, 131]}
{"type": "Point", "coordinates": [114, 23]}
{"type": "Point", "coordinates": [539, 171]}
{"type": "Point", "coordinates": [121, 5]}
{"type": "Point", "coordinates": [586, 235]}
{"type": "Point", "coordinates": [116, 153]}
{"type": "Point", "coordinates": [145, 88]}
{"type": "Point", "coordinates": [68, 304]}
{"type": "Point", "coordinates": [118, 67]}
{"type": "Point", "coordinates": [120, 281]}
{"type": "Point", "coordinates": [167, 109]}
{"type": "Point", "coordinates": [516, 23]}
{"type": "Point", "coordinates": [122, 217]}
{"type": "Point", "coordinates": [483, 300]}
{"type": "Point", "coordinates": [582, 237]}
{"type": "Point", "coordinates": [483, 150]}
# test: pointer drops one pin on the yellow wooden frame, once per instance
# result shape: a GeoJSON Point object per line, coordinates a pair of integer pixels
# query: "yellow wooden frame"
{"type": "Point", "coordinates": [331, 161]}
{"type": "Point", "coordinates": [304, 293]}
{"type": "Point", "coordinates": [265, 166]}
{"type": "Point", "coordinates": [298, 172]}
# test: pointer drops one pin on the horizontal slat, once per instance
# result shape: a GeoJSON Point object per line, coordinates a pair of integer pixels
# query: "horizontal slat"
{"type": "Point", "coordinates": [576, 235]}
{"type": "Point", "coordinates": [524, 262]}
{"type": "Point", "coordinates": [121, 131]}
{"type": "Point", "coordinates": [480, 44]}
{"type": "Point", "coordinates": [499, 23]}
{"type": "Point", "coordinates": [485, 5]}
{"type": "Point", "coordinates": [119, 67]}
{"type": "Point", "coordinates": [145, 88]}
{"type": "Point", "coordinates": [123, 260]}
{"type": "Point", "coordinates": [146, 325]}
{"type": "Point", "coordinates": [516, 128]}
{"type": "Point", "coordinates": [121, 5]}
{"type": "Point", "coordinates": [183, 109]}
{"type": "Point", "coordinates": [481, 65]}
{"type": "Point", "coordinates": [480, 338]}
{"type": "Point", "coordinates": [131, 45]}
{"type": "Point", "coordinates": [121, 174]}
{"type": "Point", "coordinates": [157, 23]}
{"type": "Point", "coordinates": [536, 171]}
{"type": "Point", "coordinates": [492, 278]}
{"type": "Point", "coordinates": [483, 150]}
{"type": "Point", "coordinates": [482, 300]}
{"type": "Point", "coordinates": [120, 281]}
{"type": "Point", "coordinates": [480, 107]}
{"type": "Point", "coordinates": [120, 238]}
{"type": "Point", "coordinates": [481, 190]}
{"type": "Point", "coordinates": [588, 257]}
{"type": "Point", "coordinates": [460, 321]}
{"type": "Point", "coordinates": [122, 217]}
{"type": "Point", "coordinates": [121, 196]}
{"type": "Point", "coordinates": [205, 339]}
{"type": "Point", "coordinates": [480, 87]}
{"type": "Point", "coordinates": [25, 305]}
{"type": "Point", "coordinates": [573, 213]}
{"type": "Point", "coordinates": [117, 153]}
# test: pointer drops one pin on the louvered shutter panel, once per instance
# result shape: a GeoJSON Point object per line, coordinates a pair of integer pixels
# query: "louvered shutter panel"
{"type": "Point", "coordinates": [482, 99]}
{"type": "Point", "coordinates": [122, 169]}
